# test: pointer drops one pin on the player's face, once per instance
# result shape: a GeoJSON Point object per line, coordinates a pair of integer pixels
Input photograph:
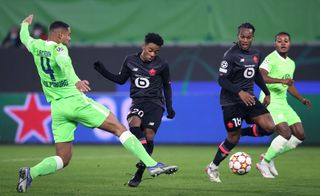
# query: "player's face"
{"type": "Point", "coordinates": [282, 44]}
{"type": "Point", "coordinates": [245, 37]}
{"type": "Point", "coordinates": [149, 51]}
{"type": "Point", "coordinates": [65, 36]}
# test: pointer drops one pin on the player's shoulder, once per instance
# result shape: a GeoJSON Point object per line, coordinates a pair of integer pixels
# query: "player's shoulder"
{"type": "Point", "coordinates": [291, 60]}
{"type": "Point", "coordinates": [131, 57]}
{"type": "Point", "coordinates": [60, 47]}
{"type": "Point", "coordinates": [160, 61]}
{"type": "Point", "coordinates": [231, 51]}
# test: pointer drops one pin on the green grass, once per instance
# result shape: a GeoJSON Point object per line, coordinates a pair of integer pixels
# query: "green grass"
{"type": "Point", "coordinates": [103, 170]}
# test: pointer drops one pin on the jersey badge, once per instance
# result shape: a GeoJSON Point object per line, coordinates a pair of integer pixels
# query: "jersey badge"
{"type": "Point", "coordinates": [224, 64]}
{"type": "Point", "coordinates": [255, 59]}
{"type": "Point", "coordinates": [152, 72]}
{"type": "Point", "coordinates": [59, 49]}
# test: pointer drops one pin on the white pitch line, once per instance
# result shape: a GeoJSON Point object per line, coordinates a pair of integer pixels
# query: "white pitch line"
{"type": "Point", "coordinates": [76, 157]}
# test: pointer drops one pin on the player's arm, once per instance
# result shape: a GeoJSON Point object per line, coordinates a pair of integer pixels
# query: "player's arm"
{"type": "Point", "coordinates": [25, 37]}
{"type": "Point", "coordinates": [120, 78]}
{"type": "Point", "coordinates": [224, 71]}
{"type": "Point", "coordinates": [261, 83]}
{"type": "Point", "coordinates": [167, 90]}
{"type": "Point", "coordinates": [64, 62]}
{"type": "Point", "coordinates": [294, 92]}
{"type": "Point", "coordinates": [265, 68]}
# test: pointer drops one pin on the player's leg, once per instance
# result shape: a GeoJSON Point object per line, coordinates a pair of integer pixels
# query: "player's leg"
{"type": "Point", "coordinates": [151, 122]}
{"type": "Point", "coordinates": [63, 133]}
{"type": "Point", "coordinates": [94, 114]}
{"type": "Point", "coordinates": [137, 177]}
{"type": "Point", "coordinates": [296, 128]}
{"type": "Point", "coordinates": [254, 131]}
{"type": "Point", "coordinates": [135, 118]}
{"type": "Point", "coordinates": [232, 120]}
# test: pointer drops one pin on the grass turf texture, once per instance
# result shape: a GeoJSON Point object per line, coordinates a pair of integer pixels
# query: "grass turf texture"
{"type": "Point", "coordinates": [103, 170]}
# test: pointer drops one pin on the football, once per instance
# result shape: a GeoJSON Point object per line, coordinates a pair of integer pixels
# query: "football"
{"type": "Point", "coordinates": [240, 163]}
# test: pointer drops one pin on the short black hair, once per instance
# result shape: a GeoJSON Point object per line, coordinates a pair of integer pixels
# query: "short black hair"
{"type": "Point", "coordinates": [246, 25]}
{"type": "Point", "coordinates": [153, 38]}
{"type": "Point", "coordinates": [282, 33]}
{"type": "Point", "coordinates": [58, 24]}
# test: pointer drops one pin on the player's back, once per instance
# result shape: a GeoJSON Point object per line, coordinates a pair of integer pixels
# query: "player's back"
{"type": "Point", "coordinates": [57, 80]}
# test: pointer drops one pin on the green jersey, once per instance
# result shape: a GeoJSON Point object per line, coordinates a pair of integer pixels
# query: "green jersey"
{"type": "Point", "coordinates": [281, 68]}
{"type": "Point", "coordinates": [54, 66]}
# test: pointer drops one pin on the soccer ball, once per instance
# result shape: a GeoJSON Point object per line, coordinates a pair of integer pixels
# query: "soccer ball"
{"type": "Point", "coordinates": [240, 163]}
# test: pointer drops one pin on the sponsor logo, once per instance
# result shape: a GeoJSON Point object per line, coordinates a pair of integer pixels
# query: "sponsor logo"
{"type": "Point", "coordinates": [135, 69]}
{"type": "Point", "coordinates": [242, 60]}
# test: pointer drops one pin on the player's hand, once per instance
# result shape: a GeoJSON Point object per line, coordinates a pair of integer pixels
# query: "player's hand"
{"type": "Point", "coordinates": [171, 113]}
{"type": "Point", "coordinates": [98, 66]}
{"type": "Point", "coordinates": [28, 19]}
{"type": "Point", "coordinates": [247, 98]}
{"type": "Point", "coordinates": [288, 81]}
{"type": "Point", "coordinates": [266, 100]}
{"type": "Point", "coordinates": [306, 102]}
{"type": "Point", "coordinates": [83, 86]}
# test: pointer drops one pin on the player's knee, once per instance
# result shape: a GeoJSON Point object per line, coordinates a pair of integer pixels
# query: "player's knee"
{"type": "Point", "coordinates": [269, 129]}
{"type": "Point", "coordinates": [150, 135]}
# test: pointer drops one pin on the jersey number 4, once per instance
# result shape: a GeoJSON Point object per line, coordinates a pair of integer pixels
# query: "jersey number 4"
{"type": "Point", "coordinates": [47, 70]}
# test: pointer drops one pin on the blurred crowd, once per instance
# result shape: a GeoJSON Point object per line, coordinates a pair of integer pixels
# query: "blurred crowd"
{"type": "Point", "coordinates": [12, 39]}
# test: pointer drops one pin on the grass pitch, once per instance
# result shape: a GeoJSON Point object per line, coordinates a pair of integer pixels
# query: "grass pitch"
{"type": "Point", "coordinates": [103, 170]}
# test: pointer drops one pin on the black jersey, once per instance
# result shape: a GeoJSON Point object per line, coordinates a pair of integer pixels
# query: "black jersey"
{"type": "Point", "coordinates": [147, 79]}
{"type": "Point", "coordinates": [240, 67]}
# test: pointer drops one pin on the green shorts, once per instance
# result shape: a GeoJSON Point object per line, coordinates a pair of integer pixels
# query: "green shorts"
{"type": "Point", "coordinates": [68, 112]}
{"type": "Point", "coordinates": [282, 112]}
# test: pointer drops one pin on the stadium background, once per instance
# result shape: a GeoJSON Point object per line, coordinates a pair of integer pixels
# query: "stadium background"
{"type": "Point", "coordinates": [196, 33]}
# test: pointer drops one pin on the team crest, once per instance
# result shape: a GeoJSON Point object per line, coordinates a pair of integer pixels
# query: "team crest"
{"type": "Point", "coordinates": [152, 72]}
{"type": "Point", "coordinates": [255, 59]}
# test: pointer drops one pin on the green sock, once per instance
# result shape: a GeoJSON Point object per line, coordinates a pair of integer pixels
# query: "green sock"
{"type": "Point", "coordinates": [47, 166]}
{"type": "Point", "coordinates": [276, 147]}
{"type": "Point", "coordinates": [131, 143]}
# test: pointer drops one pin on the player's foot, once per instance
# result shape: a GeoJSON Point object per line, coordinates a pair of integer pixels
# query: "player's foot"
{"type": "Point", "coordinates": [272, 167]}
{"type": "Point", "coordinates": [136, 179]}
{"type": "Point", "coordinates": [25, 179]}
{"type": "Point", "coordinates": [263, 168]}
{"type": "Point", "coordinates": [161, 168]}
{"type": "Point", "coordinates": [213, 173]}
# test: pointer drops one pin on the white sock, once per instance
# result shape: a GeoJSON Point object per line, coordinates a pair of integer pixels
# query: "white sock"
{"type": "Point", "coordinates": [124, 136]}
{"type": "Point", "coordinates": [59, 162]}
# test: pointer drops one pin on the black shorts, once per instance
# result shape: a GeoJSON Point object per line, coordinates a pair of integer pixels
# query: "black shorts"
{"type": "Point", "coordinates": [149, 113]}
{"type": "Point", "coordinates": [234, 115]}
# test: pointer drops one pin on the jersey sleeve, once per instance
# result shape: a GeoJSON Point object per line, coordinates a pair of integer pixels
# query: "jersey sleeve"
{"type": "Point", "coordinates": [226, 65]}
{"type": "Point", "coordinates": [25, 37]}
{"type": "Point", "coordinates": [64, 61]}
{"type": "Point", "coordinates": [266, 64]}
{"type": "Point", "coordinates": [165, 74]}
